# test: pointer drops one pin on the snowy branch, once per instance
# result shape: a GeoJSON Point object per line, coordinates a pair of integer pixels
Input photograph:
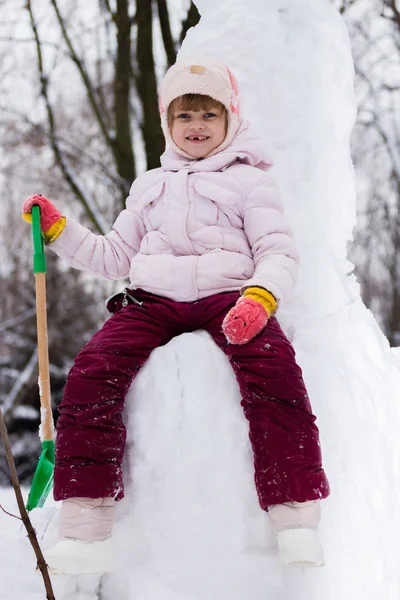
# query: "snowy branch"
{"type": "Point", "coordinates": [19, 385]}
{"type": "Point", "coordinates": [27, 314]}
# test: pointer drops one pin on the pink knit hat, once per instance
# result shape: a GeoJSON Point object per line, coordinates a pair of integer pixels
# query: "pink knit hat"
{"type": "Point", "coordinates": [208, 77]}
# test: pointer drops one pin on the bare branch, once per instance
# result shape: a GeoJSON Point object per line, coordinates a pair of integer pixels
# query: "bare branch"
{"type": "Point", "coordinates": [378, 123]}
{"type": "Point", "coordinates": [27, 314]}
{"type": "Point", "coordinates": [70, 147]}
{"type": "Point", "coordinates": [10, 514]}
{"type": "Point", "coordinates": [42, 566]}
{"type": "Point", "coordinates": [66, 170]}
{"type": "Point", "coordinates": [85, 76]}
{"type": "Point", "coordinates": [395, 14]}
{"type": "Point", "coordinates": [15, 40]}
{"type": "Point", "coordinates": [120, 140]}
{"type": "Point", "coordinates": [107, 5]}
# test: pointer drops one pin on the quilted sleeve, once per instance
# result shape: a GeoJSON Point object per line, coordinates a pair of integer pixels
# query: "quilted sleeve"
{"type": "Point", "coordinates": [271, 240]}
{"type": "Point", "coordinates": [104, 256]}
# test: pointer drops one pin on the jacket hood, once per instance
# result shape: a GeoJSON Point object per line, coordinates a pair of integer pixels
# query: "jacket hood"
{"type": "Point", "coordinates": [246, 148]}
{"type": "Point", "coordinates": [205, 76]}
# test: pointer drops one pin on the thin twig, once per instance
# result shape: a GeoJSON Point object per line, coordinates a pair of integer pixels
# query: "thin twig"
{"type": "Point", "coordinates": [10, 514]}
{"type": "Point", "coordinates": [14, 321]}
{"type": "Point", "coordinates": [71, 148]}
{"type": "Point", "coordinates": [69, 177]}
{"type": "Point", "coordinates": [110, 10]}
{"type": "Point", "coordinates": [41, 563]}
{"type": "Point", "coordinates": [85, 76]}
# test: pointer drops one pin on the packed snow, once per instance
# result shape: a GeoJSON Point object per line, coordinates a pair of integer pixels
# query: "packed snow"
{"type": "Point", "coordinates": [190, 527]}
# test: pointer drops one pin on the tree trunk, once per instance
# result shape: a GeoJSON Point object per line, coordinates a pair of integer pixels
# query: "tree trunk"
{"type": "Point", "coordinates": [165, 25]}
{"type": "Point", "coordinates": [147, 85]}
{"type": "Point", "coordinates": [123, 141]}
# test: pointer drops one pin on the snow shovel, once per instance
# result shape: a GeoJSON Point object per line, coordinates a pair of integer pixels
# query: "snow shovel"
{"type": "Point", "coordinates": [43, 478]}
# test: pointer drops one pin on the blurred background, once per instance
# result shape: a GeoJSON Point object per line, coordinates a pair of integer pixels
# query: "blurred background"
{"type": "Point", "coordinates": [79, 121]}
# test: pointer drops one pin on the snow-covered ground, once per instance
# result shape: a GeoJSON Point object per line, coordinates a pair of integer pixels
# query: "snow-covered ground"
{"type": "Point", "coordinates": [190, 527]}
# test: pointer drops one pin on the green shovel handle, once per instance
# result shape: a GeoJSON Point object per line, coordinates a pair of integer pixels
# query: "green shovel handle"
{"type": "Point", "coordinates": [39, 259]}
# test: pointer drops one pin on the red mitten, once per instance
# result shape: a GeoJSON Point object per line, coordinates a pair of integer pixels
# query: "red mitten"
{"type": "Point", "coordinates": [49, 214]}
{"type": "Point", "coordinates": [244, 321]}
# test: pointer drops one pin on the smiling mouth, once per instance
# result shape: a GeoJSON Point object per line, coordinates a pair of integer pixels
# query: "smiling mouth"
{"type": "Point", "coordinates": [198, 138]}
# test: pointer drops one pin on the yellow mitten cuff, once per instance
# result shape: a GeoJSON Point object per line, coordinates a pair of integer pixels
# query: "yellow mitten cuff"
{"type": "Point", "coordinates": [263, 297]}
{"type": "Point", "coordinates": [55, 230]}
{"type": "Point", "coordinates": [27, 217]}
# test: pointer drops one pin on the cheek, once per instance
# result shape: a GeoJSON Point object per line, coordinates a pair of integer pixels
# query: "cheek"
{"type": "Point", "coordinates": [175, 131]}
{"type": "Point", "coordinates": [222, 130]}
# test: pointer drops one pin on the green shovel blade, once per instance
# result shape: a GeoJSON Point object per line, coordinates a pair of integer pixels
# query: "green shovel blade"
{"type": "Point", "coordinates": [43, 478]}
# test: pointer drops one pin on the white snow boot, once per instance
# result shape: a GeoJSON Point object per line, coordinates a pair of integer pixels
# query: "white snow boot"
{"type": "Point", "coordinates": [85, 544]}
{"type": "Point", "coordinates": [296, 526]}
{"type": "Point", "coordinates": [74, 557]}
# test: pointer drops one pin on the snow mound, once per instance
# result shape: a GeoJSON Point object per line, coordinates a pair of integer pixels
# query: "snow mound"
{"type": "Point", "coordinates": [190, 527]}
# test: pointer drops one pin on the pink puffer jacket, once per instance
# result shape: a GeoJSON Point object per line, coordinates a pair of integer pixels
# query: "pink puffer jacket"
{"type": "Point", "coordinates": [195, 228]}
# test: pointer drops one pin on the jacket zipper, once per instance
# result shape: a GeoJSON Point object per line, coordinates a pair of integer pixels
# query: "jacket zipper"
{"type": "Point", "coordinates": [128, 295]}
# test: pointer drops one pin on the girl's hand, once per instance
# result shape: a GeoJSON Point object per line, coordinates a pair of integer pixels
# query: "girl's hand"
{"type": "Point", "coordinates": [49, 214]}
{"type": "Point", "coordinates": [52, 222]}
{"type": "Point", "coordinates": [244, 321]}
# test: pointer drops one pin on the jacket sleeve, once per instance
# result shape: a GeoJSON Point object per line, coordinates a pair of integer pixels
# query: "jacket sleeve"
{"type": "Point", "coordinates": [104, 256]}
{"type": "Point", "coordinates": [271, 240]}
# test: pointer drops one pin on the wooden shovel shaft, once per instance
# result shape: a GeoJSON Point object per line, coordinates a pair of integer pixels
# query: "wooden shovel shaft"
{"type": "Point", "coordinates": [43, 354]}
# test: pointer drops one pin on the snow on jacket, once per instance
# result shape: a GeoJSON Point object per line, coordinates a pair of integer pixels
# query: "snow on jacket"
{"type": "Point", "coordinates": [195, 228]}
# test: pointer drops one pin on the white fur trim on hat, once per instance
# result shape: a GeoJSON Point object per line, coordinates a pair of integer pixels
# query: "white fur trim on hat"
{"type": "Point", "coordinates": [208, 77]}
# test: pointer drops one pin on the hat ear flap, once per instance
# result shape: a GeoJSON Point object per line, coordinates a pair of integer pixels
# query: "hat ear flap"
{"type": "Point", "coordinates": [235, 106]}
{"type": "Point", "coordinates": [160, 105]}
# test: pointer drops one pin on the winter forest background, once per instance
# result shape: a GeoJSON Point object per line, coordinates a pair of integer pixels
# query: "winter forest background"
{"type": "Point", "coordinates": [79, 120]}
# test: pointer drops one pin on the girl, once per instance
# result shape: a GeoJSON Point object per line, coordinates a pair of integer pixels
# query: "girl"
{"type": "Point", "coordinates": [205, 243]}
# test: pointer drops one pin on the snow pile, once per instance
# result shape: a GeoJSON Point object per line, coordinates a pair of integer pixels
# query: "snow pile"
{"type": "Point", "coordinates": [190, 527]}
{"type": "Point", "coordinates": [196, 529]}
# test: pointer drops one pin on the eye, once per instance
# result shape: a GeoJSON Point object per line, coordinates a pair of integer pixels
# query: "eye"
{"type": "Point", "coordinates": [183, 116]}
{"type": "Point", "coordinates": [209, 115]}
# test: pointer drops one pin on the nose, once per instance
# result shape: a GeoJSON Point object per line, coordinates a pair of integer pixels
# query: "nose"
{"type": "Point", "coordinates": [196, 126]}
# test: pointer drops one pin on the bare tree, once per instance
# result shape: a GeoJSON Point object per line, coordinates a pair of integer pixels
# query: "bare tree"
{"type": "Point", "coordinates": [374, 27]}
{"type": "Point", "coordinates": [129, 88]}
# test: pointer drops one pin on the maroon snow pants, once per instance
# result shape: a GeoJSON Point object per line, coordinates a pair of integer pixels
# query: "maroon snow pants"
{"type": "Point", "coordinates": [90, 431]}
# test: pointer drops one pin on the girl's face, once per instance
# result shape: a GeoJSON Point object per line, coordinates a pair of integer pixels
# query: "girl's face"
{"type": "Point", "coordinates": [198, 132]}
